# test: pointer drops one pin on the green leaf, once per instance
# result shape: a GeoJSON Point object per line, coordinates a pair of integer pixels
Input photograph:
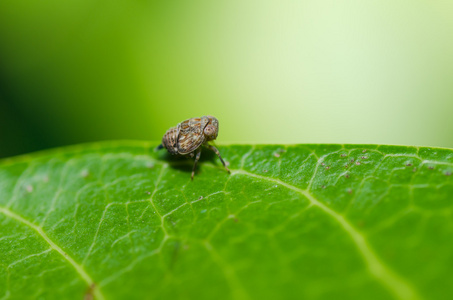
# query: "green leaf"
{"type": "Point", "coordinates": [120, 221]}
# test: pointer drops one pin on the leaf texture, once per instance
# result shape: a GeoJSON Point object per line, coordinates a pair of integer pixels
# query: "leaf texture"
{"type": "Point", "coordinates": [116, 220]}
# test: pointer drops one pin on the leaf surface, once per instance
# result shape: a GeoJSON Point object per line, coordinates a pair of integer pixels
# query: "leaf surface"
{"type": "Point", "coordinates": [116, 220]}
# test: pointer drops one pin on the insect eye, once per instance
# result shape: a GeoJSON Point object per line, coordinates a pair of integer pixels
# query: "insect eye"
{"type": "Point", "coordinates": [209, 130]}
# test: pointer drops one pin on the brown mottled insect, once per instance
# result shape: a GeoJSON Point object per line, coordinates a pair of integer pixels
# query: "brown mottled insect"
{"type": "Point", "coordinates": [188, 136]}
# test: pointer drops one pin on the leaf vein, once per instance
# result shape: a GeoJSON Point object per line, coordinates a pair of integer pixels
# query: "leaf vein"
{"type": "Point", "coordinates": [78, 268]}
{"type": "Point", "coordinates": [392, 281]}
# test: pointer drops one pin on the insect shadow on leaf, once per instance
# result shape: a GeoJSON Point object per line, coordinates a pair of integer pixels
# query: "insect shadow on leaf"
{"type": "Point", "coordinates": [189, 137]}
{"type": "Point", "coordinates": [185, 163]}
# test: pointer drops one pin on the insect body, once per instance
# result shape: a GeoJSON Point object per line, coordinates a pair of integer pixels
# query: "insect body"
{"type": "Point", "coordinates": [188, 136]}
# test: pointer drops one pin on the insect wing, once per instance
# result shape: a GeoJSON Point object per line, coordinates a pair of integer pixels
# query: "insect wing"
{"type": "Point", "coordinates": [191, 134]}
{"type": "Point", "coordinates": [169, 140]}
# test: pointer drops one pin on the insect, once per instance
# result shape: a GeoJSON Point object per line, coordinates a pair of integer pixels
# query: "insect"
{"type": "Point", "coordinates": [188, 137]}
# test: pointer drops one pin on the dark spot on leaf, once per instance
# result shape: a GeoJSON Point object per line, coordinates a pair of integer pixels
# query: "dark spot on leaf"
{"type": "Point", "coordinates": [364, 157]}
{"type": "Point", "coordinates": [323, 164]}
{"type": "Point", "coordinates": [201, 197]}
{"type": "Point", "coordinates": [349, 191]}
{"type": "Point", "coordinates": [175, 255]}
{"type": "Point", "coordinates": [347, 175]}
{"type": "Point", "coordinates": [149, 193]}
{"type": "Point", "coordinates": [448, 173]}
{"type": "Point", "coordinates": [343, 155]}
{"type": "Point", "coordinates": [323, 186]}
{"type": "Point", "coordinates": [89, 293]}
{"type": "Point", "coordinates": [265, 171]}
{"type": "Point", "coordinates": [431, 167]}
{"type": "Point", "coordinates": [328, 167]}
{"type": "Point", "coordinates": [408, 164]}
{"type": "Point", "coordinates": [357, 163]}
{"type": "Point", "coordinates": [346, 166]}
{"type": "Point", "coordinates": [352, 159]}
{"type": "Point", "coordinates": [364, 150]}
{"type": "Point", "coordinates": [276, 155]}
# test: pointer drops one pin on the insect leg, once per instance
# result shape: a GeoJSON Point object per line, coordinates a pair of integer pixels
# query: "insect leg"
{"type": "Point", "coordinates": [218, 154]}
{"type": "Point", "coordinates": [197, 157]}
{"type": "Point", "coordinates": [159, 147]}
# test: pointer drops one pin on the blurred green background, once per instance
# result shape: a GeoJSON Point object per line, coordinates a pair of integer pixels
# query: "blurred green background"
{"type": "Point", "coordinates": [74, 71]}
